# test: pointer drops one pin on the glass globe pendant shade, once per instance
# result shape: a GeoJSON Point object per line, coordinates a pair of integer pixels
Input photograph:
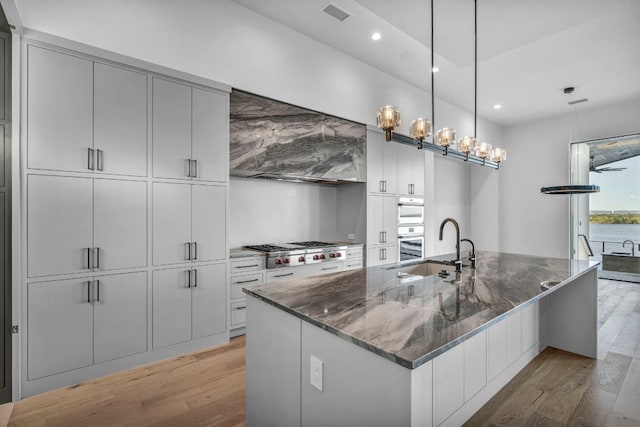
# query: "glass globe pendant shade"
{"type": "Point", "coordinates": [444, 138]}
{"type": "Point", "coordinates": [498, 155]}
{"type": "Point", "coordinates": [419, 129]}
{"type": "Point", "coordinates": [388, 119]}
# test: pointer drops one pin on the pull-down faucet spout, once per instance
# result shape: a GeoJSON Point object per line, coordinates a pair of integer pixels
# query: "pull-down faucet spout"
{"type": "Point", "coordinates": [633, 246]}
{"type": "Point", "coordinates": [472, 255]}
{"type": "Point", "coordinates": [458, 260]}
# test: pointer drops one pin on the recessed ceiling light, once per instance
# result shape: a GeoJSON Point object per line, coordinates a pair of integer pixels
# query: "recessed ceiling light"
{"type": "Point", "coordinates": [497, 107]}
{"type": "Point", "coordinates": [435, 69]}
{"type": "Point", "coordinates": [376, 36]}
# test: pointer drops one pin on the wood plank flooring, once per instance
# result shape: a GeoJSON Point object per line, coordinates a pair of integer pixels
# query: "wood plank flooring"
{"type": "Point", "coordinates": [207, 388]}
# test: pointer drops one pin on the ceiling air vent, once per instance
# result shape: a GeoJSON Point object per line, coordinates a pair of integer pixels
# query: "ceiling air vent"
{"type": "Point", "coordinates": [336, 12]}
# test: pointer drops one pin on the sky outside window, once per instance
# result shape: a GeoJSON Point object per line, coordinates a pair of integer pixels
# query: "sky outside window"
{"type": "Point", "coordinates": [619, 191]}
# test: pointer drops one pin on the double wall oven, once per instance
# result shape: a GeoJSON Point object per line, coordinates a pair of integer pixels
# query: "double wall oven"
{"type": "Point", "coordinates": [410, 229]}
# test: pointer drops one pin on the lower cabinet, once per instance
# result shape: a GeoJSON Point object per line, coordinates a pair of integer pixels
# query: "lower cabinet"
{"type": "Point", "coordinates": [379, 255]}
{"type": "Point", "coordinates": [79, 322]}
{"type": "Point", "coordinates": [188, 303]}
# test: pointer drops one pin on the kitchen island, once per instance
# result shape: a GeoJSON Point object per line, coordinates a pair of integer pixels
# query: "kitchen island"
{"type": "Point", "coordinates": [404, 345]}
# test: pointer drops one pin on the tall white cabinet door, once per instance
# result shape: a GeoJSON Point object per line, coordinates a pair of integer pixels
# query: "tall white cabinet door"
{"type": "Point", "coordinates": [171, 223]}
{"type": "Point", "coordinates": [209, 300]}
{"type": "Point", "coordinates": [417, 172]}
{"type": "Point", "coordinates": [120, 315]}
{"type": "Point", "coordinates": [210, 143]}
{"type": "Point", "coordinates": [405, 160]}
{"type": "Point", "coordinates": [171, 129]}
{"type": "Point", "coordinates": [208, 215]}
{"type": "Point", "coordinates": [375, 220]}
{"type": "Point", "coordinates": [390, 219]}
{"type": "Point", "coordinates": [120, 120]}
{"type": "Point", "coordinates": [60, 327]}
{"type": "Point", "coordinates": [391, 166]}
{"type": "Point", "coordinates": [120, 223]}
{"type": "Point", "coordinates": [59, 110]}
{"type": "Point", "coordinates": [59, 224]}
{"type": "Point", "coordinates": [375, 162]}
{"type": "Point", "coordinates": [171, 307]}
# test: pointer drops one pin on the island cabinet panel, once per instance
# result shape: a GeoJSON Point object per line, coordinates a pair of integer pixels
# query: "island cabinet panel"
{"type": "Point", "coordinates": [448, 383]}
{"type": "Point", "coordinates": [475, 365]}
{"type": "Point", "coordinates": [496, 349]}
{"type": "Point", "coordinates": [382, 164]}
{"type": "Point", "coordinates": [514, 337]}
{"type": "Point", "coordinates": [273, 363]}
{"type": "Point", "coordinates": [530, 326]}
{"type": "Point", "coordinates": [59, 110]}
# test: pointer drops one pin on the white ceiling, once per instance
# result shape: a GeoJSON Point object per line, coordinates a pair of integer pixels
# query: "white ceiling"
{"type": "Point", "coordinates": [528, 51]}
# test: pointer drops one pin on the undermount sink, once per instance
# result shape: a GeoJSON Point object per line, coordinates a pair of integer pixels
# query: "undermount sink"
{"type": "Point", "coordinates": [426, 268]}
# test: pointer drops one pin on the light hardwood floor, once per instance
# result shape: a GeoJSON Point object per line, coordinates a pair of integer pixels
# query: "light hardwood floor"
{"type": "Point", "coordinates": [207, 387]}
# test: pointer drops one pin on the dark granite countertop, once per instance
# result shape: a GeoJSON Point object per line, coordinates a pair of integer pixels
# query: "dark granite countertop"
{"type": "Point", "coordinates": [409, 317]}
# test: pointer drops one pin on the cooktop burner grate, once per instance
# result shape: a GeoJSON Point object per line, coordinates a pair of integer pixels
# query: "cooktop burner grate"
{"type": "Point", "coordinates": [313, 243]}
{"type": "Point", "coordinates": [266, 248]}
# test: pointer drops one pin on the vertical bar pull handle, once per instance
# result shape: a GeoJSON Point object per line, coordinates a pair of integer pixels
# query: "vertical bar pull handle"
{"type": "Point", "coordinates": [89, 291]}
{"type": "Point", "coordinates": [195, 277]}
{"type": "Point", "coordinates": [380, 237]}
{"type": "Point", "coordinates": [195, 168]}
{"type": "Point", "coordinates": [188, 251]}
{"type": "Point", "coordinates": [189, 278]}
{"type": "Point", "coordinates": [195, 250]}
{"type": "Point", "coordinates": [98, 290]}
{"type": "Point", "coordinates": [189, 163]}
{"type": "Point", "coordinates": [99, 160]}
{"type": "Point", "coordinates": [89, 258]}
{"type": "Point", "coordinates": [97, 257]}
{"type": "Point", "coordinates": [90, 158]}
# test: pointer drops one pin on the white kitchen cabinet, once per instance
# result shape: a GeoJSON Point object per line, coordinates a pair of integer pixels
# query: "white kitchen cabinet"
{"type": "Point", "coordinates": [189, 223]}
{"type": "Point", "coordinates": [475, 365]}
{"type": "Point", "coordinates": [190, 128]}
{"type": "Point", "coordinates": [379, 255]}
{"type": "Point", "coordinates": [244, 272]}
{"type": "Point", "coordinates": [78, 322]}
{"type": "Point", "coordinates": [530, 326]}
{"type": "Point", "coordinates": [120, 121]}
{"type": "Point", "coordinates": [410, 171]}
{"type": "Point", "coordinates": [496, 349]}
{"type": "Point", "coordinates": [188, 304]}
{"type": "Point", "coordinates": [82, 224]}
{"type": "Point", "coordinates": [85, 116]}
{"type": "Point", "coordinates": [382, 164]}
{"type": "Point", "coordinates": [448, 385]}
{"type": "Point", "coordinates": [59, 110]}
{"type": "Point", "coordinates": [514, 337]}
{"type": "Point", "coordinates": [382, 219]}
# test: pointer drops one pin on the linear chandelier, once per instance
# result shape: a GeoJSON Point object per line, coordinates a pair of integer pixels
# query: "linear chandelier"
{"type": "Point", "coordinates": [388, 119]}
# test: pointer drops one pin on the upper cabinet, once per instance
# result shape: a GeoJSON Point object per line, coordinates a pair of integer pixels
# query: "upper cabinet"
{"type": "Point", "coordinates": [189, 132]}
{"type": "Point", "coordinates": [410, 171]}
{"type": "Point", "coordinates": [84, 116]}
{"type": "Point", "coordinates": [382, 164]}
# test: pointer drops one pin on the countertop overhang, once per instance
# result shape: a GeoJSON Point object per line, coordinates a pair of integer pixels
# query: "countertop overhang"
{"type": "Point", "coordinates": [410, 319]}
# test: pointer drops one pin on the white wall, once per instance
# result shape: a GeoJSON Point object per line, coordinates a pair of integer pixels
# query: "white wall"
{"type": "Point", "coordinates": [537, 224]}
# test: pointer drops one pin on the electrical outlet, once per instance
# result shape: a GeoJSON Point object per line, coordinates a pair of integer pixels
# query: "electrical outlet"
{"type": "Point", "coordinates": [351, 236]}
{"type": "Point", "coordinates": [316, 372]}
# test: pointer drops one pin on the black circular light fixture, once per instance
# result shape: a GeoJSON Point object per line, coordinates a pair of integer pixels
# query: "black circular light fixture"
{"type": "Point", "coordinates": [570, 189]}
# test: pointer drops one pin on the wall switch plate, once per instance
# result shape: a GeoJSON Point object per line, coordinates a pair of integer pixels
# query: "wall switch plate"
{"type": "Point", "coordinates": [316, 372]}
{"type": "Point", "coordinates": [351, 236]}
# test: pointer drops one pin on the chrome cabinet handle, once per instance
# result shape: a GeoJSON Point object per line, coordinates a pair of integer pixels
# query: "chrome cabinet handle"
{"type": "Point", "coordinates": [283, 275]}
{"type": "Point", "coordinates": [97, 257]}
{"type": "Point", "coordinates": [189, 166]}
{"type": "Point", "coordinates": [330, 268]}
{"type": "Point", "coordinates": [195, 277]}
{"type": "Point", "coordinates": [89, 258]}
{"type": "Point", "coordinates": [381, 237]}
{"type": "Point", "coordinates": [381, 187]}
{"type": "Point", "coordinates": [90, 158]}
{"type": "Point", "coordinates": [246, 281]}
{"type": "Point", "coordinates": [195, 169]}
{"type": "Point", "coordinates": [98, 290]}
{"type": "Point", "coordinates": [89, 291]}
{"type": "Point", "coordinates": [247, 266]}
{"type": "Point", "coordinates": [195, 250]}
{"type": "Point", "coordinates": [188, 251]}
{"type": "Point", "coordinates": [188, 278]}
{"type": "Point", "coordinates": [99, 159]}
{"type": "Point", "coordinates": [240, 308]}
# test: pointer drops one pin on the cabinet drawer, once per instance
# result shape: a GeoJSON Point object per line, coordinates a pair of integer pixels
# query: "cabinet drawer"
{"type": "Point", "coordinates": [246, 264]}
{"type": "Point", "coordinates": [283, 274]}
{"type": "Point", "coordinates": [355, 252]}
{"type": "Point", "coordinates": [322, 268]}
{"type": "Point", "coordinates": [352, 264]}
{"type": "Point", "coordinates": [238, 313]}
{"type": "Point", "coordinates": [239, 282]}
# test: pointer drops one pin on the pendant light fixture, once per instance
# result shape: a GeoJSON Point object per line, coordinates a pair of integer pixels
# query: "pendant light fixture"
{"type": "Point", "coordinates": [444, 139]}
{"type": "Point", "coordinates": [570, 189]}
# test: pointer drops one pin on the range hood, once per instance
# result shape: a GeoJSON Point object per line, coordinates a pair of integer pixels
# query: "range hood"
{"type": "Point", "coordinates": [273, 140]}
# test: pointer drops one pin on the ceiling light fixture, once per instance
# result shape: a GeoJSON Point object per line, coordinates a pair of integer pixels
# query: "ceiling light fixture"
{"type": "Point", "coordinates": [376, 36]}
{"type": "Point", "coordinates": [444, 139]}
{"type": "Point", "coordinates": [497, 107]}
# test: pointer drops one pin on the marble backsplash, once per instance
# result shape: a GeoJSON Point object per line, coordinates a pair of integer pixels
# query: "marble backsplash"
{"type": "Point", "coordinates": [273, 137]}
